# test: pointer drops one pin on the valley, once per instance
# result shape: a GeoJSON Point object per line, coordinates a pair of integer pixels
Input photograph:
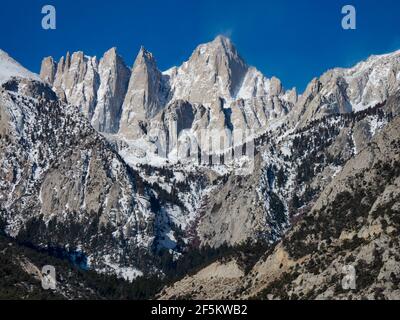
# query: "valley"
{"type": "Point", "coordinates": [114, 164]}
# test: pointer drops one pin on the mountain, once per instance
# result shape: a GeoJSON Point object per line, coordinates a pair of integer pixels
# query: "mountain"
{"type": "Point", "coordinates": [215, 81]}
{"type": "Point", "coordinates": [22, 265]}
{"type": "Point", "coordinates": [97, 88]}
{"type": "Point", "coordinates": [350, 90]}
{"type": "Point", "coordinates": [114, 79]}
{"type": "Point", "coordinates": [352, 222]}
{"type": "Point", "coordinates": [145, 97]}
{"type": "Point", "coordinates": [11, 68]}
{"type": "Point", "coordinates": [219, 92]}
{"type": "Point", "coordinates": [63, 185]}
{"type": "Point", "coordinates": [113, 164]}
{"type": "Point", "coordinates": [219, 71]}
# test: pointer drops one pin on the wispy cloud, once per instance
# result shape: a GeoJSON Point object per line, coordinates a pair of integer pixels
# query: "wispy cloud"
{"type": "Point", "coordinates": [226, 32]}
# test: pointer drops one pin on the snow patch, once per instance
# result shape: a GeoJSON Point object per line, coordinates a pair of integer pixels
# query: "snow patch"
{"type": "Point", "coordinates": [127, 273]}
{"type": "Point", "coordinates": [10, 68]}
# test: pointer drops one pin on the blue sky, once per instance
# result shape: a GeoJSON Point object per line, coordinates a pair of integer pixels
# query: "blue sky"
{"type": "Point", "coordinates": [293, 40]}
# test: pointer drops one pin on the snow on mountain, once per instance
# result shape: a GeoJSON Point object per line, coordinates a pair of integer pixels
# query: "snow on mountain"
{"type": "Point", "coordinates": [215, 70]}
{"type": "Point", "coordinates": [10, 68]}
{"type": "Point", "coordinates": [371, 81]}
{"type": "Point", "coordinates": [62, 184]}
{"type": "Point", "coordinates": [213, 90]}
{"type": "Point", "coordinates": [341, 90]}
{"type": "Point", "coordinates": [215, 79]}
{"type": "Point", "coordinates": [118, 195]}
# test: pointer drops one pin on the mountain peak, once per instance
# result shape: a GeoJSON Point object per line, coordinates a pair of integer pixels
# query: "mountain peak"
{"type": "Point", "coordinates": [144, 95]}
{"type": "Point", "coordinates": [143, 52]}
{"type": "Point", "coordinates": [48, 70]}
{"type": "Point", "coordinates": [112, 54]}
{"type": "Point", "coordinates": [223, 40]}
{"type": "Point", "coordinates": [216, 70]}
{"type": "Point", "coordinates": [145, 57]}
{"type": "Point", "coordinates": [112, 50]}
{"type": "Point", "coordinates": [220, 45]}
{"type": "Point", "coordinates": [10, 68]}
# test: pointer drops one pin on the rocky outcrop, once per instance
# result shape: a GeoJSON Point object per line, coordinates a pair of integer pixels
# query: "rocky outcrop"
{"type": "Point", "coordinates": [235, 95]}
{"type": "Point", "coordinates": [97, 88]}
{"type": "Point", "coordinates": [217, 77]}
{"type": "Point", "coordinates": [10, 68]}
{"type": "Point", "coordinates": [234, 213]}
{"type": "Point", "coordinates": [353, 224]}
{"type": "Point", "coordinates": [324, 173]}
{"type": "Point", "coordinates": [145, 97]}
{"type": "Point", "coordinates": [215, 70]}
{"type": "Point", "coordinates": [48, 70]}
{"type": "Point", "coordinates": [69, 187]}
{"type": "Point", "coordinates": [77, 81]}
{"type": "Point", "coordinates": [349, 90]}
{"type": "Point", "coordinates": [114, 78]}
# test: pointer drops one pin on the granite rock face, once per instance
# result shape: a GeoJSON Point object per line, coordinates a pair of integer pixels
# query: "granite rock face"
{"type": "Point", "coordinates": [351, 226]}
{"type": "Point", "coordinates": [235, 95]}
{"type": "Point", "coordinates": [145, 97]}
{"type": "Point", "coordinates": [349, 90]}
{"type": "Point", "coordinates": [88, 160]}
{"type": "Point", "coordinates": [97, 88]}
{"type": "Point", "coordinates": [114, 79]}
{"type": "Point", "coordinates": [48, 70]}
{"type": "Point", "coordinates": [69, 186]}
{"type": "Point", "coordinates": [77, 81]}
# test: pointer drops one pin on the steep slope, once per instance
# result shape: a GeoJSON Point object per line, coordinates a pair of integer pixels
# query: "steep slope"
{"type": "Point", "coordinates": [21, 270]}
{"type": "Point", "coordinates": [291, 168]}
{"type": "Point", "coordinates": [114, 79]}
{"type": "Point", "coordinates": [63, 185]}
{"type": "Point", "coordinates": [97, 88]}
{"type": "Point", "coordinates": [170, 203]}
{"type": "Point", "coordinates": [145, 97]}
{"type": "Point", "coordinates": [215, 81]}
{"type": "Point", "coordinates": [216, 90]}
{"type": "Point", "coordinates": [215, 70]}
{"type": "Point", "coordinates": [235, 95]}
{"type": "Point", "coordinates": [76, 81]}
{"type": "Point", "coordinates": [354, 222]}
{"type": "Point", "coordinates": [345, 90]}
{"type": "Point", "coordinates": [10, 68]}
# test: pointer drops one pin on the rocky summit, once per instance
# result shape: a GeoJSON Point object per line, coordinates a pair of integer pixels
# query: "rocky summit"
{"type": "Point", "coordinates": [107, 168]}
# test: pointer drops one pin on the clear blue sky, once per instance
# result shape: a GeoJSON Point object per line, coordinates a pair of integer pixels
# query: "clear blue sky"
{"type": "Point", "coordinates": [294, 40]}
